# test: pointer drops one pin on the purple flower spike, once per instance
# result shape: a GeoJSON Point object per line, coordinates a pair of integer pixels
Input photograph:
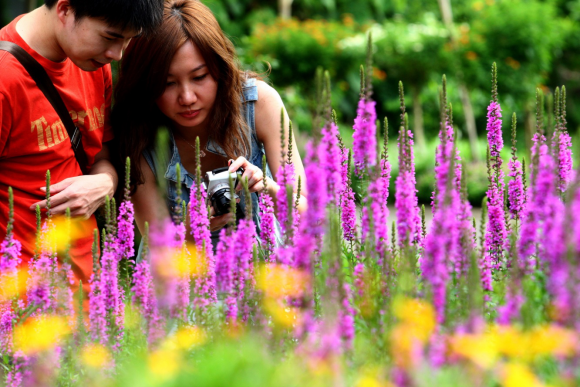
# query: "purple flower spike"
{"type": "Point", "coordinates": [97, 311]}
{"type": "Point", "coordinates": [227, 273]}
{"type": "Point", "coordinates": [332, 164]}
{"type": "Point", "coordinates": [406, 202]}
{"type": "Point", "coordinates": [364, 141]}
{"type": "Point", "coordinates": [565, 171]}
{"type": "Point", "coordinates": [510, 311]}
{"type": "Point", "coordinates": [244, 277]}
{"type": "Point", "coordinates": [346, 318]}
{"type": "Point", "coordinates": [376, 203]}
{"type": "Point", "coordinates": [408, 218]}
{"type": "Point", "coordinates": [348, 214]}
{"type": "Point", "coordinates": [42, 274]}
{"type": "Point", "coordinates": [313, 223]}
{"type": "Point", "coordinates": [496, 234]}
{"type": "Point", "coordinates": [553, 255]}
{"type": "Point", "coordinates": [517, 196]}
{"type": "Point", "coordinates": [494, 133]}
{"type": "Point", "coordinates": [286, 176]}
{"type": "Point", "coordinates": [10, 251]}
{"type": "Point", "coordinates": [268, 231]}
{"type": "Point", "coordinates": [144, 297]}
{"type": "Point", "coordinates": [347, 203]}
{"type": "Point", "coordinates": [7, 321]}
{"type": "Point", "coordinates": [126, 232]}
{"type": "Point", "coordinates": [205, 286]}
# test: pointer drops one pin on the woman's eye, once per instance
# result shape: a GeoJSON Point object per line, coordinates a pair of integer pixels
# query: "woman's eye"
{"type": "Point", "coordinates": [170, 83]}
{"type": "Point", "coordinates": [200, 77]}
{"type": "Point", "coordinates": [109, 39]}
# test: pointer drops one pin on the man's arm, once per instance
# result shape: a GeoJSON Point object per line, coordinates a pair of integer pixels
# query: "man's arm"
{"type": "Point", "coordinates": [84, 194]}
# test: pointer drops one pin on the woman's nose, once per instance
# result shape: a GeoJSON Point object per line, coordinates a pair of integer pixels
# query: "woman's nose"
{"type": "Point", "coordinates": [187, 96]}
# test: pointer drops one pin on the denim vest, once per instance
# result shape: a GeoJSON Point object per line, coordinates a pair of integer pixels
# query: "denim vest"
{"type": "Point", "coordinates": [250, 96]}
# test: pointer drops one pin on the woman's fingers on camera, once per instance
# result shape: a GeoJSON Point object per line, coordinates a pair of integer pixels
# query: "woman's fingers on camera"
{"type": "Point", "coordinates": [218, 222]}
{"type": "Point", "coordinates": [237, 164]}
{"type": "Point", "coordinates": [256, 178]}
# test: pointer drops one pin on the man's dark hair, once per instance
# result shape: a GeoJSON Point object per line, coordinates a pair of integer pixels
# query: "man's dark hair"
{"type": "Point", "coordinates": [140, 15]}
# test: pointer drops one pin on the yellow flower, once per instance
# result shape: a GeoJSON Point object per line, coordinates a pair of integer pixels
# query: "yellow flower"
{"type": "Point", "coordinates": [185, 338]}
{"type": "Point", "coordinates": [181, 262]}
{"type": "Point", "coordinates": [40, 333]}
{"type": "Point", "coordinates": [417, 314]}
{"type": "Point", "coordinates": [13, 286]}
{"type": "Point", "coordinates": [481, 349]}
{"type": "Point", "coordinates": [519, 375]}
{"type": "Point", "coordinates": [510, 341]}
{"type": "Point", "coordinates": [164, 363]}
{"type": "Point", "coordinates": [367, 381]}
{"type": "Point", "coordinates": [283, 315]}
{"type": "Point", "coordinates": [278, 281]}
{"type": "Point", "coordinates": [553, 340]}
{"type": "Point", "coordinates": [95, 355]}
{"type": "Point", "coordinates": [62, 231]}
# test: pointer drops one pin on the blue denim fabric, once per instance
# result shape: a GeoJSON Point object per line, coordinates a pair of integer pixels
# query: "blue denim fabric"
{"type": "Point", "coordinates": [250, 96]}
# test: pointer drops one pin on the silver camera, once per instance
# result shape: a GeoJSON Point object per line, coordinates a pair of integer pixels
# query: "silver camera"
{"type": "Point", "coordinates": [219, 193]}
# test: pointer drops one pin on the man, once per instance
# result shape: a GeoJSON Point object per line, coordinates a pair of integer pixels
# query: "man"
{"type": "Point", "coordinates": [75, 41]}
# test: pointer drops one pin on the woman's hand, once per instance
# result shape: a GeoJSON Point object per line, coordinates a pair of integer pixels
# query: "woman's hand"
{"type": "Point", "coordinates": [254, 174]}
{"type": "Point", "coordinates": [218, 222]}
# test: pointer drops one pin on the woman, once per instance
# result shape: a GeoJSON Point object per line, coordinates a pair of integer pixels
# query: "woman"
{"type": "Point", "coordinates": [186, 77]}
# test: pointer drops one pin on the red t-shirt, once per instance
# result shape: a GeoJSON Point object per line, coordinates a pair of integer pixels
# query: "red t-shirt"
{"type": "Point", "coordinates": [34, 140]}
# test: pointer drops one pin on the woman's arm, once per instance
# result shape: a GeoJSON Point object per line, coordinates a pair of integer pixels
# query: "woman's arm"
{"type": "Point", "coordinates": [148, 203]}
{"type": "Point", "coordinates": [267, 114]}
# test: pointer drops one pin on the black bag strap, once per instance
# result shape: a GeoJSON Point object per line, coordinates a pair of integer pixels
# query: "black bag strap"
{"type": "Point", "coordinates": [39, 75]}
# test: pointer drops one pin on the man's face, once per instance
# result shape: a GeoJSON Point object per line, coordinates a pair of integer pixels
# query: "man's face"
{"type": "Point", "coordinates": [91, 43]}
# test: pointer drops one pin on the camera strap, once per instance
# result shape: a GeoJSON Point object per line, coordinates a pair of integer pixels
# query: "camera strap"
{"type": "Point", "coordinates": [39, 75]}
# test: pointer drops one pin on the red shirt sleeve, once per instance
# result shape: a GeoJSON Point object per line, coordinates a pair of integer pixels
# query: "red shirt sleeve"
{"type": "Point", "coordinates": [108, 78]}
{"type": "Point", "coordinates": [5, 121]}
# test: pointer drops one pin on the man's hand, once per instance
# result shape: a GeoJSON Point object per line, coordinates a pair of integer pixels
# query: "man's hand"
{"type": "Point", "coordinates": [82, 194]}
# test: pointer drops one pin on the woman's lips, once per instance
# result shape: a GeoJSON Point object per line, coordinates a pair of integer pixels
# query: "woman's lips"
{"type": "Point", "coordinates": [190, 114]}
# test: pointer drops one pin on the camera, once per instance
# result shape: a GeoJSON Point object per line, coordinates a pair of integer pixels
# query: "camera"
{"type": "Point", "coordinates": [219, 193]}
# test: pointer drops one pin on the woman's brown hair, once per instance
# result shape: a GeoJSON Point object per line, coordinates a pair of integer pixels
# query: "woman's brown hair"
{"type": "Point", "coordinates": [143, 75]}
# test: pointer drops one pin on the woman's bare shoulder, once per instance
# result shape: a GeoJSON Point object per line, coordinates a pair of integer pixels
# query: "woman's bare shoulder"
{"type": "Point", "coordinates": [267, 113]}
{"type": "Point", "coordinates": [266, 94]}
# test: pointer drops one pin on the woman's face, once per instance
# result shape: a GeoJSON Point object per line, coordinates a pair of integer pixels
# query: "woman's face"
{"type": "Point", "coordinates": [190, 91]}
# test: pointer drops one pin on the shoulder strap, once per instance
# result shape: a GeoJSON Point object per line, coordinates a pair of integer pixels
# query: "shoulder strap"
{"type": "Point", "coordinates": [39, 75]}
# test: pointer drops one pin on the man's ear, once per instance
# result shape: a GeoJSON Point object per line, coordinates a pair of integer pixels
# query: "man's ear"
{"type": "Point", "coordinates": [64, 10]}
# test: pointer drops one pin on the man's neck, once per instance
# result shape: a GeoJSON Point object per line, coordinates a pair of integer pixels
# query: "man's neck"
{"type": "Point", "coordinates": [37, 29]}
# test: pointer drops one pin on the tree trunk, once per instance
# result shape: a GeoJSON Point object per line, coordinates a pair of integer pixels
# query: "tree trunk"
{"type": "Point", "coordinates": [446, 13]}
{"type": "Point", "coordinates": [469, 118]}
{"type": "Point", "coordinates": [418, 118]}
{"type": "Point", "coordinates": [285, 9]}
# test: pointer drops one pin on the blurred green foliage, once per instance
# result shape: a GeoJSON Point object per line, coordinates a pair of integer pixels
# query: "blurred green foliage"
{"type": "Point", "coordinates": [533, 42]}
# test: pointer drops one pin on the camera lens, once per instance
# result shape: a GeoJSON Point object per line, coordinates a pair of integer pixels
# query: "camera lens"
{"type": "Point", "coordinates": [220, 201]}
